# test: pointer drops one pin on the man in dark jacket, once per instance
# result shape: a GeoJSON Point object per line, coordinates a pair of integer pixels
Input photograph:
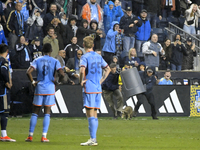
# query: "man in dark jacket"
{"type": "Point", "coordinates": [153, 8]}
{"type": "Point", "coordinates": [50, 16]}
{"type": "Point", "coordinates": [149, 80]}
{"type": "Point", "coordinates": [129, 23]}
{"type": "Point", "coordinates": [111, 88]}
{"type": "Point", "coordinates": [188, 61]}
{"type": "Point", "coordinates": [178, 50]}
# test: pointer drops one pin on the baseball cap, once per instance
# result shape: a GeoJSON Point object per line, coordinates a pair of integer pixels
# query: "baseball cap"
{"type": "Point", "coordinates": [128, 8]}
{"type": "Point", "coordinates": [189, 39]}
{"type": "Point", "coordinates": [149, 70]}
{"type": "Point", "coordinates": [36, 38]}
{"type": "Point", "coordinates": [143, 10]}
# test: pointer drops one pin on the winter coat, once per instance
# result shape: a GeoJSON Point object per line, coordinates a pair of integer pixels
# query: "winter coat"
{"type": "Point", "coordinates": [83, 32]}
{"type": "Point", "coordinates": [144, 31]}
{"type": "Point", "coordinates": [126, 21]}
{"type": "Point", "coordinates": [188, 61]}
{"type": "Point", "coordinates": [109, 45]}
{"type": "Point", "coordinates": [2, 35]}
{"type": "Point", "coordinates": [111, 82]}
{"type": "Point", "coordinates": [188, 17]}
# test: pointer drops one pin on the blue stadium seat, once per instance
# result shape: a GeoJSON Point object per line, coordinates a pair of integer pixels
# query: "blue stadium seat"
{"type": "Point", "coordinates": [181, 22]}
{"type": "Point", "coordinates": [173, 20]}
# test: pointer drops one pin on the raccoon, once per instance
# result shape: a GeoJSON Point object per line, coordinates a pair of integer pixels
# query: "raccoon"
{"type": "Point", "coordinates": [127, 112]}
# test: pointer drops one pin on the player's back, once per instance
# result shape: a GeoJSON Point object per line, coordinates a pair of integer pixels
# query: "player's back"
{"type": "Point", "coordinates": [46, 67]}
{"type": "Point", "coordinates": [94, 64]}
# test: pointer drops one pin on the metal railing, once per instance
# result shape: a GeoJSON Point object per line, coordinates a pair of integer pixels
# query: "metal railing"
{"type": "Point", "coordinates": [173, 29]}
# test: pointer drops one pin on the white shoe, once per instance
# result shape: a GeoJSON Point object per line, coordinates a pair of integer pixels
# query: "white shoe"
{"type": "Point", "coordinates": [89, 142]}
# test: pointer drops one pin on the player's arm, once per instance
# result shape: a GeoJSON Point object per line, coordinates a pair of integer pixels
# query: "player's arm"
{"type": "Point", "coordinates": [5, 75]}
{"type": "Point", "coordinates": [29, 74]}
{"type": "Point", "coordinates": [105, 74]}
{"type": "Point", "coordinates": [82, 72]}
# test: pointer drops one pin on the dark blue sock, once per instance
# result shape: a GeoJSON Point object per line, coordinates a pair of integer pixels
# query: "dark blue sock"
{"type": "Point", "coordinates": [4, 120]}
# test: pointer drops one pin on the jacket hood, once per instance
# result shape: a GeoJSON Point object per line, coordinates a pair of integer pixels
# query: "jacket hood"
{"type": "Point", "coordinates": [110, 3]}
{"type": "Point", "coordinates": [142, 63]}
{"type": "Point", "coordinates": [93, 21]}
{"type": "Point", "coordinates": [83, 21]}
{"type": "Point", "coordinates": [113, 24]}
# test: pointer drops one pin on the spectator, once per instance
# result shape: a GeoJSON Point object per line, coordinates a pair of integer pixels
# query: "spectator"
{"type": "Point", "coordinates": [51, 38]}
{"type": "Point", "coordinates": [71, 30]}
{"type": "Point", "coordinates": [119, 10]}
{"type": "Point", "coordinates": [71, 49]}
{"type": "Point", "coordinates": [80, 4]}
{"type": "Point", "coordinates": [129, 23]}
{"type": "Point", "coordinates": [138, 5]}
{"type": "Point", "coordinates": [178, 49]}
{"type": "Point", "coordinates": [188, 61]}
{"type": "Point", "coordinates": [24, 10]}
{"type": "Point", "coordinates": [109, 47]}
{"type": "Point", "coordinates": [166, 79]}
{"type": "Point", "coordinates": [41, 5]}
{"type": "Point", "coordinates": [2, 16]}
{"type": "Point", "coordinates": [165, 59]}
{"type": "Point", "coordinates": [183, 6]}
{"type": "Point", "coordinates": [111, 88]}
{"type": "Point", "coordinates": [154, 9]}
{"type": "Point", "coordinates": [2, 36]}
{"type": "Point", "coordinates": [59, 29]}
{"type": "Point", "coordinates": [35, 48]}
{"type": "Point", "coordinates": [143, 33]}
{"type": "Point", "coordinates": [64, 19]}
{"type": "Point", "coordinates": [141, 66]}
{"type": "Point", "coordinates": [15, 25]}
{"type": "Point", "coordinates": [23, 54]}
{"type": "Point", "coordinates": [192, 16]}
{"type": "Point", "coordinates": [168, 6]}
{"type": "Point", "coordinates": [97, 36]}
{"type": "Point", "coordinates": [73, 65]}
{"type": "Point", "coordinates": [61, 58]}
{"type": "Point", "coordinates": [9, 6]}
{"type": "Point", "coordinates": [35, 23]}
{"type": "Point", "coordinates": [92, 11]}
{"type": "Point", "coordinates": [110, 15]}
{"type": "Point", "coordinates": [84, 31]}
{"type": "Point", "coordinates": [148, 77]}
{"type": "Point", "coordinates": [116, 62]}
{"type": "Point", "coordinates": [50, 16]}
{"type": "Point", "coordinates": [98, 51]}
{"type": "Point", "coordinates": [132, 58]}
{"type": "Point", "coordinates": [151, 51]}
{"type": "Point", "coordinates": [126, 66]}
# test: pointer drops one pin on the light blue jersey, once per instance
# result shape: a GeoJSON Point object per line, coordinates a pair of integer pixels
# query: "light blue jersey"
{"type": "Point", "coordinates": [46, 67]}
{"type": "Point", "coordinates": [163, 81]}
{"type": "Point", "coordinates": [93, 63]}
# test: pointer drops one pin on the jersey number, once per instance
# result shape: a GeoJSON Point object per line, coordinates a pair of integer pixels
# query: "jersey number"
{"type": "Point", "coordinates": [95, 67]}
{"type": "Point", "coordinates": [45, 70]}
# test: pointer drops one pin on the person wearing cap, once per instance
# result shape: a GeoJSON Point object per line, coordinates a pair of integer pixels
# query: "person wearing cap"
{"type": "Point", "coordinates": [71, 30]}
{"type": "Point", "coordinates": [178, 50]}
{"type": "Point", "coordinates": [143, 33]}
{"type": "Point", "coordinates": [149, 80]}
{"type": "Point", "coordinates": [36, 48]}
{"type": "Point", "coordinates": [188, 61]}
{"type": "Point", "coordinates": [151, 50]}
{"type": "Point", "coordinates": [111, 88]}
{"type": "Point", "coordinates": [153, 8]}
{"type": "Point", "coordinates": [129, 23]}
{"type": "Point", "coordinates": [109, 47]}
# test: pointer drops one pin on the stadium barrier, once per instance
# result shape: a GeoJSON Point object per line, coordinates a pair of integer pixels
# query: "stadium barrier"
{"type": "Point", "coordinates": [170, 100]}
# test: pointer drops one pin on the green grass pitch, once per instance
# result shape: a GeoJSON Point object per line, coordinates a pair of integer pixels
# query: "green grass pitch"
{"type": "Point", "coordinates": [140, 133]}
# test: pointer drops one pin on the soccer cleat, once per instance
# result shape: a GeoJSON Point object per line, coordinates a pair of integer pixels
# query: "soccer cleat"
{"type": "Point", "coordinates": [43, 139]}
{"type": "Point", "coordinates": [90, 142]}
{"type": "Point", "coordinates": [7, 139]}
{"type": "Point", "coordinates": [29, 139]}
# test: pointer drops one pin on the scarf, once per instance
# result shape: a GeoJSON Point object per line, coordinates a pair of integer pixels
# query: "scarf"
{"type": "Point", "coordinates": [168, 3]}
{"type": "Point", "coordinates": [27, 55]}
{"type": "Point", "coordinates": [20, 20]}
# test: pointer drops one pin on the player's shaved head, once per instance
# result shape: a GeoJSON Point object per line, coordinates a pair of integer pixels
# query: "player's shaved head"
{"type": "Point", "coordinates": [3, 48]}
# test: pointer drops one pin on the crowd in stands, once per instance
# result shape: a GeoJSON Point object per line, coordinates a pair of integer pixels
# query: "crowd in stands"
{"type": "Point", "coordinates": [122, 32]}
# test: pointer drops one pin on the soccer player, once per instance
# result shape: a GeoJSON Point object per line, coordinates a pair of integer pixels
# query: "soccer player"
{"type": "Point", "coordinates": [46, 67]}
{"type": "Point", "coordinates": [91, 70]}
{"type": "Point", "coordinates": [5, 86]}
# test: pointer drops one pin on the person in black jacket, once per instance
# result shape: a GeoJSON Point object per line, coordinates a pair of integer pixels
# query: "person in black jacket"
{"type": "Point", "coordinates": [84, 31]}
{"type": "Point", "coordinates": [50, 16]}
{"type": "Point", "coordinates": [178, 50]}
{"type": "Point", "coordinates": [129, 23]}
{"type": "Point", "coordinates": [149, 80]}
{"type": "Point", "coordinates": [188, 61]}
{"type": "Point", "coordinates": [111, 88]}
{"type": "Point", "coordinates": [71, 30]}
{"type": "Point", "coordinates": [35, 48]}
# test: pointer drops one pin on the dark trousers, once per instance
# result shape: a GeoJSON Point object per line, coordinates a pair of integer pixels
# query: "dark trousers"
{"type": "Point", "coordinates": [108, 57]}
{"type": "Point", "coordinates": [150, 98]}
